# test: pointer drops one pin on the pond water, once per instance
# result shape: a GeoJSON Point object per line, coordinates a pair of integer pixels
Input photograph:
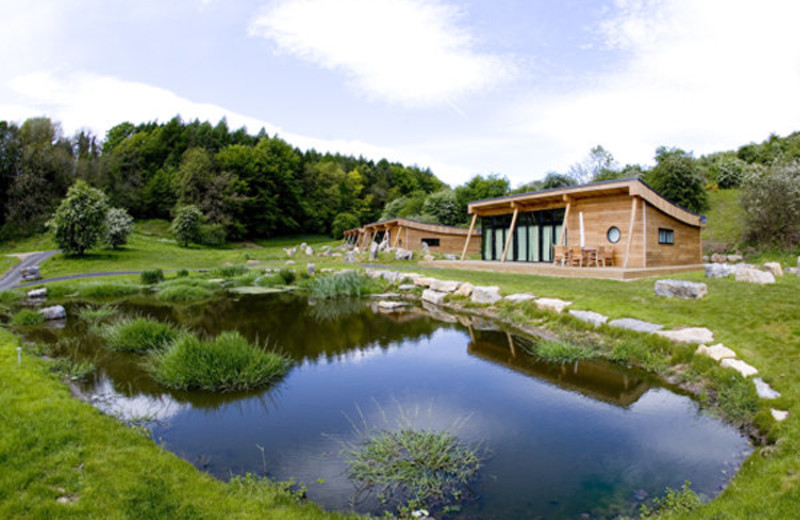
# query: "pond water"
{"type": "Point", "coordinates": [559, 440]}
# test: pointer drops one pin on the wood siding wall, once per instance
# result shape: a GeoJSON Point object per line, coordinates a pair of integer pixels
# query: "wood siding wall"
{"type": "Point", "coordinates": [684, 251]}
{"type": "Point", "coordinates": [601, 213]}
{"type": "Point", "coordinates": [447, 243]}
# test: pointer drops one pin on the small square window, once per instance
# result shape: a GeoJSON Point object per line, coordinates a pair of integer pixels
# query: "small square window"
{"type": "Point", "coordinates": [666, 236]}
{"type": "Point", "coordinates": [432, 242]}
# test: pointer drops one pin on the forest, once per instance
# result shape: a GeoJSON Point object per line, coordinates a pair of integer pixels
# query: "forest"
{"type": "Point", "coordinates": [260, 186]}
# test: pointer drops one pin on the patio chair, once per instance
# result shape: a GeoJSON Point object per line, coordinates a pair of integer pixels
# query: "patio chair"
{"type": "Point", "coordinates": [576, 256]}
{"type": "Point", "coordinates": [590, 257]}
{"type": "Point", "coordinates": [560, 255]}
{"type": "Point", "coordinates": [605, 255]}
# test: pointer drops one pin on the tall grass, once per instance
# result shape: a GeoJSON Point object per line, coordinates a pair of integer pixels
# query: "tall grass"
{"type": "Point", "coordinates": [226, 363]}
{"type": "Point", "coordinates": [107, 289]}
{"type": "Point", "coordinates": [230, 271]}
{"type": "Point", "coordinates": [138, 335]}
{"type": "Point", "coordinates": [561, 352]}
{"type": "Point", "coordinates": [185, 289]}
{"type": "Point", "coordinates": [27, 317]}
{"type": "Point", "coordinates": [95, 315]}
{"type": "Point", "coordinates": [351, 283]}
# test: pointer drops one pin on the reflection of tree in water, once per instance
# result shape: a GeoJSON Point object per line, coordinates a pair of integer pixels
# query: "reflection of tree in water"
{"type": "Point", "coordinates": [333, 310]}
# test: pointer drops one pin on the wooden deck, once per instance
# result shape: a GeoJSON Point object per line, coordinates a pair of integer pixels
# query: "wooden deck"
{"type": "Point", "coordinates": [546, 269]}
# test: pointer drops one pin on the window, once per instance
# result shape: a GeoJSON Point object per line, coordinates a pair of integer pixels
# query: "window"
{"type": "Point", "coordinates": [432, 242]}
{"type": "Point", "coordinates": [666, 236]}
{"type": "Point", "coordinates": [613, 234]}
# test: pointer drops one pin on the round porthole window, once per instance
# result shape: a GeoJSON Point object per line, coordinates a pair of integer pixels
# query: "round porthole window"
{"type": "Point", "coordinates": [613, 234]}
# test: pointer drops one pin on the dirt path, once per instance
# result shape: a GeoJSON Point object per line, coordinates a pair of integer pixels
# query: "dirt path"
{"type": "Point", "coordinates": [14, 275]}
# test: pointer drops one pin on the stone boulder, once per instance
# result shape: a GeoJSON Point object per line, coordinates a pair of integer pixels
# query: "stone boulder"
{"type": "Point", "coordinates": [718, 258]}
{"type": "Point", "coordinates": [719, 270]}
{"type": "Point", "coordinates": [680, 289]}
{"type": "Point", "coordinates": [465, 289]}
{"type": "Point", "coordinates": [716, 352]}
{"type": "Point", "coordinates": [450, 256]}
{"type": "Point", "coordinates": [37, 294]}
{"type": "Point", "coordinates": [289, 262]}
{"type": "Point", "coordinates": [740, 366]}
{"type": "Point", "coordinates": [350, 257]}
{"type": "Point", "coordinates": [520, 297]}
{"type": "Point", "coordinates": [733, 259]}
{"type": "Point", "coordinates": [31, 273]}
{"type": "Point", "coordinates": [311, 269]}
{"type": "Point", "coordinates": [595, 318]}
{"type": "Point", "coordinates": [637, 325]}
{"type": "Point", "coordinates": [429, 258]}
{"type": "Point", "coordinates": [779, 415]}
{"type": "Point", "coordinates": [486, 294]}
{"type": "Point", "coordinates": [445, 286]}
{"type": "Point", "coordinates": [752, 275]}
{"type": "Point", "coordinates": [774, 268]}
{"type": "Point", "coordinates": [688, 335]}
{"type": "Point", "coordinates": [424, 281]}
{"type": "Point", "coordinates": [373, 251]}
{"type": "Point", "coordinates": [765, 391]}
{"type": "Point", "coordinates": [434, 297]}
{"type": "Point", "coordinates": [425, 248]}
{"type": "Point", "coordinates": [309, 251]}
{"type": "Point", "coordinates": [404, 254]}
{"type": "Point", "coordinates": [406, 287]}
{"type": "Point", "coordinates": [553, 304]}
{"type": "Point", "coordinates": [56, 312]}
{"type": "Point", "coordinates": [391, 306]}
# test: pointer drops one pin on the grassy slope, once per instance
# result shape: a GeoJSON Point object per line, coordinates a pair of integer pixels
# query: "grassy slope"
{"type": "Point", "coordinates": [725, 223]}
{"type": "Point", "coordinates": [53, 446]}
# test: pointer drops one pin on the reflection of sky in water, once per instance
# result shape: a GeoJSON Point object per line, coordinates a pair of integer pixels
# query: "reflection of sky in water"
{"type": "Point", "coordinates": [552, 452]}
{"type": "Point", "coordinates": [139, 407]}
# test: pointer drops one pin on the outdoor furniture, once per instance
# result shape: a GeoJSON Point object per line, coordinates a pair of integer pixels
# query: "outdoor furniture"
{"type": "Point", "coordinates": [589, 256]}
{"type": "Point", "coordinates": [576, 256]}
{"type": "Point", "coordinates": [560, 255]}
{"type": "Point", "coordinates": [605, 255]}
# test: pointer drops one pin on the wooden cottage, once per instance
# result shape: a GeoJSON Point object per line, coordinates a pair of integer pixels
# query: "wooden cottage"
{"type": "Point", "coordinates": [620, 223]}
{"type": "Point", "coordinates": [410, 234]}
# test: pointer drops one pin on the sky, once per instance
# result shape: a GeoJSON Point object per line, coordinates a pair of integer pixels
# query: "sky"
{"type": "Point", "coordinates": [513, 87]}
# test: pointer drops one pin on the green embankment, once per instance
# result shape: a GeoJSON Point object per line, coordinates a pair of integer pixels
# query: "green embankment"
{"type": "Point", "coordinates": [725, 225]}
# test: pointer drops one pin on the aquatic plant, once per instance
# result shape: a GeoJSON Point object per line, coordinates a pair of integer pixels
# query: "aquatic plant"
{"type": "Point", "coordinates": [181, 293]}
{"type": "Point", "coordinates": [674, 504]}
{"type": "Point", "coordinates": [226, 363]}
{"type": "Point", "coordinates": [349, 283]}
{"type": "Point", "coordinates": [97, 314]}
{"type": "Point", "coordinates": [138, 335]}
{"type": "Point", "coordinates": [230, 271]}
{"type": "Point", "coordinates": [560, 352]}
{"type": "Point", "coordinates": [27, 317]}
{"type": "Point", "coordinates": [107, 289]}
{"type": "Point", "coordinates": [152, 276]}
{"type": "Point", "coordinates": [287, 275]}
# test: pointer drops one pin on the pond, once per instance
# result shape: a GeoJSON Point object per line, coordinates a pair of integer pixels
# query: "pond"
{"type": "Point", "coordinates": [559, 441]}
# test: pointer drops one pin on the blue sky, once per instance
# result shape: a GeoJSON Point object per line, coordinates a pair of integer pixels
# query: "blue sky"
{"type": "Point", "coordinates": [512, 87]}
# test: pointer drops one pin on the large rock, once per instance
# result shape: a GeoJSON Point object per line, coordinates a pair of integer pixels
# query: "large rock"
{"type": "Point", "coordinates": [465, 289]}
{"type": "Point", "coordinates": [446, 286]}
{"type": "Point", "coordinates": [774, 268]}
{"type": "Point", "coordinates": [391, 306]}
{"type": "Point", "coordinates": [779, 415]}
{"type": "Point", "coordinates": [350, 257]}
{"type": "Point", "coordinates": [404, 254]}
{"type": "Point", "coordinates": [765, 391]}
{"type": "Point", "coordinates": [309, 251]}
{"type": "Point", "coordinates": [425, 248]}
{"type": "Point", "coordinates": [373, 251]}
{"type": "Point", "coordinates": [734, 259]}
{"type": "Point", "coordinates": [740, 366]}
{"type": "Point", "coordinates": [595, 318]}
{"type": "Point", "coordinates": [431, 296]}
{"type": "Point", "coordinates": [718, 258]}
{"type": "Point", "coordinates": [553, 304]}
{"type": "Point", "coordinates": [37, 294]}
{"type": "Point", "coordinates": [311, 269]}
{"type": "Point", "coordinates": [424, 281]}
{"type": "Point", "coordinates": [56, 312]}
{"type": "Point", "coordinates": [520, 297]}
{"type": "Point", "coordinates": [290, 252]}
{"type": "Point", "coordinates": [719, 270]}
{"type": "Point", "coordinates": [450, 256]}
{"type": "Point", "coordinates": [688, 335]}
{"type": "Point", "coordinates": [486, 294]}
{"type": "Point", "coordinates": [752, 275]}
{"type": "Point", "coordinates": [429, 258]}
{"type": "Point", "coordinates": [637, 325]}
{"type": "Point", "coordinates": [31, 273]}
{"type": "Point", "coordinates": [716, 352]}
{"type": "Point", "coordinates": [680, 289]}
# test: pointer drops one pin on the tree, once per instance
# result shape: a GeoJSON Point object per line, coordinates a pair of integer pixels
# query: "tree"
{"type": "Point", "coordinates": [342, 223]}
{"type": "Point", "coordinates": [677, 177]}
{"type": "Point", "coordinates": [443, 206]}
{"type": "Point", "coordinates": [79, 221]}
{"type": "Point", "coordinates": [186, 224]}
{"type": "Point", "coordinates": [478, 188]}
{"type": "Point", "coordinates": [119, 225]}
{"type": "Point", "coordinates": [599, 162]}
{"type": "Point", "coordinates": [771, 203]}
{"type": "Point", "coordinates": [557, 180]}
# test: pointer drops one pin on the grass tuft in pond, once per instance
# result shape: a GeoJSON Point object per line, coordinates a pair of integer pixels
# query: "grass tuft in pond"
{"type": "Point", "coordinates": [94, 315]}
{"type": "Point", "coordinates": [152, 276]}
{"type": "Point", "coordinates": [182, 292]}
{"type": "Point", "coordinates": [226, 363]}
{"type": "Point", "coordinates": [350, 283]}
{"type": "Point", "coordinates": [561, 352]}
{"type": "Point", "coordinates": [230, 271]}
{"type": "Point", "coordinates": [138, 335]}
{"type": "Point", "coordinates": [675, 504]}
{"type": "Point", "coordinates": [27, 317]}
{"type": "Point", "coordinates": [107, 289]}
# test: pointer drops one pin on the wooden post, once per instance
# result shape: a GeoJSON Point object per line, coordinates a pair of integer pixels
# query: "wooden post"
{"type": "Point", "coordinates": [469, 235]}
{"type": "Point", "coordinates": [644, 233]}
{"type": "Point", "coordinates": [511, 344]}
{"type": "Point", "coordinates": [511, 230]}
{"type": "Point", "coordinates": [561, 240]}
{"type": "Point", "coordinates": [630, 232]}
{"type": "Point", "coordinates": [397, 236]}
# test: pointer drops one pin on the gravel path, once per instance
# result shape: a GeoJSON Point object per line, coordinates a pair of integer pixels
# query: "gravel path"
{"type": "Point", "coordinates": [14, 275]}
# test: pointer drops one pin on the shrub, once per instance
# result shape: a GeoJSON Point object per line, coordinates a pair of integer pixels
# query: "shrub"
{"type": "Point", "coordinates": [226, 363]}
{"type": "Point", "coordinates": [212, 234]}
{"type": "Point", "coordinates": [182, 273]}
{"type": "Point", "coordinates": [771, 203]}
{"type": "Point", "coordinates": [138, 335]}
{"type": "Point", "coordinates": [341, 223]}
{"type": "Point", "coordinates": [180, 293]}
{"type": "Point", "coordinates": [287, 275]}
{"type": "Point", "coordinates": [230, 271]}
{"type": "Point", "coordinates": [119, 225]}
{"type": "Point", "coordinates": [27, 317]}
{"type": "Point", "coordinates": [79, 221]}
{"type": "Point", "coordinates": [152, 276]}
{"type": "Point", "coordinates": [674, 503]}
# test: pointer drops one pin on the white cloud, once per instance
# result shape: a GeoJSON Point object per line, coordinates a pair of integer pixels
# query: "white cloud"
{"type": "Point", "coordinates": [705, 76]}
{"type": "Point", "coordinates": [407, 51]}
{"type": "Point", "coordinates": [87, 100]}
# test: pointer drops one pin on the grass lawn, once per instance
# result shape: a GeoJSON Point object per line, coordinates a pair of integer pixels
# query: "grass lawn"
{"type": "Point", "coordinates": [7, 262]}
{"type": "Point", "coordinates": [50, 441]}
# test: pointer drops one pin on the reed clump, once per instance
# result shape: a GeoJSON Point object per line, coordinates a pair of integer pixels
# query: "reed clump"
{"type": "Point", "coordinates": [138, 335]}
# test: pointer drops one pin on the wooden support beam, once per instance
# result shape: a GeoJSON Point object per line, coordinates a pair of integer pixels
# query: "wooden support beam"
{"type": "Point", "coordinates": [630, 233]}
{"type": "Point", "coordinates": [397, 236]}
{"type": "Point", "coordinates": [469, 236]}
{"type": "Point", "coordinates": [644, 233]}
{"type": "Point", "coordinates": [561, 239]}
{"type": "Point", "coordinates": [511, 231]}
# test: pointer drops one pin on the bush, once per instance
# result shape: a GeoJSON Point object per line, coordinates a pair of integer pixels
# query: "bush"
{"type": "Point", "coordinates": [341, 223]}
{"type": "Point", "coordinates": [212, 234]}
{"type": "Point", "coordinates": [138, 335]}
{"type": "Point", "coordinates": [183, 273]}
{"type": "Point", "coordinates": [771, 203]}
{"type": "Point", "coordinates": [27, 317]}
{"type": "Point", "coordinates": [79, 221]}
{"type": "Point", "coordinates": [226, 363]}
{"type": "Point", "coordinates": [230, 271]}
{"type": "Point", "coordinates": [674, 503]}
{"type": "Point", "coordinates": [152, 276]}
{"type": "Point", "coordinates": [287, 275]}
{"type": "Point", "coordinates": [119, 225]}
